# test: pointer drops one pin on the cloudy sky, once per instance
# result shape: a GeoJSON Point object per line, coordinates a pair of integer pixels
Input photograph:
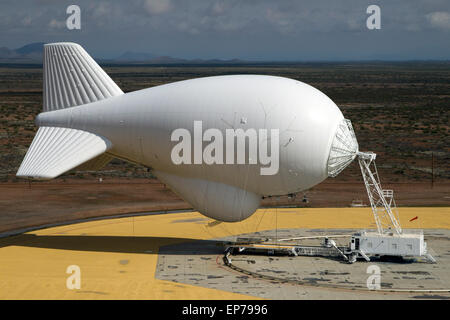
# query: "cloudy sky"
{"type": "Point", "coordinates": [301, 30]}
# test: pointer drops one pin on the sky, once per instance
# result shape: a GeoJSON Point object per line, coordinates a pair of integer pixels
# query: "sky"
{"type": "Point", "coordinates": [257, 30]}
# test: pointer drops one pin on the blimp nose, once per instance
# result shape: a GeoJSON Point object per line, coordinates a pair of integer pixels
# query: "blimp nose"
{"type": "Point", "coordinates": [343, 149]}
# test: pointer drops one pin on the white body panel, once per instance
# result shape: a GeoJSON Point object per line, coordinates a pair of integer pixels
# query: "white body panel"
{"type": "Point", "coordinates": [214, 199]}
{"type": "Point", "coordinates": [139, 125]}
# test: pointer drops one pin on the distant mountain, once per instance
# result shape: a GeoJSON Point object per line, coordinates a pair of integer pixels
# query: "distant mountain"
{"type": "Point", "coordinates": [130, 56]}
{"type": "Point", "coordinates": [150, 58]}
{"type": "Point", "coordinates": [32, 48]}
{"type": "Point", "coordinates": [166, 60]}
{"type": "Point", "coordinates": [33, 53]}
{"type": "Point", "coordinates": [7, 53]}
{"type": "Point", "coordinates": [30, 53]}
{"type": "Point", "coordinates": [217, 61]}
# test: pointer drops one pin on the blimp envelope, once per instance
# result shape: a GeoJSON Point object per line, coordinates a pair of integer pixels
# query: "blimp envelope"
{"type": "Point", "coordinates": [221, 143]}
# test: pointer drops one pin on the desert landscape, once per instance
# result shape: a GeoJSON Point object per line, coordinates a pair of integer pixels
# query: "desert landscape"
{"type": "Point", "coordinates": [399, 110]}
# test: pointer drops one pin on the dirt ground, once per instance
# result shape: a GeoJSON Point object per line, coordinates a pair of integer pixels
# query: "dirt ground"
{"type": "Point", "coordinates": [398, 110]}
{"type": "Point", "coordinates": [24, 205]}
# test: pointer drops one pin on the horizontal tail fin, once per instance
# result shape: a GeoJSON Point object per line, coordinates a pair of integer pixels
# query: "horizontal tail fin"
{"type": "Point", "coordinates": [72, 77]}
{"type": "Point", "coordinates": [96, 163]}
{"type": "Point", "coordinates": [57, 150]}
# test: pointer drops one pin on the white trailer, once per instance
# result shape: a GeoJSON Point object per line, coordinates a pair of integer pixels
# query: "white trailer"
{"type": "Point", "coordinates": [367, 244]}
{"type": "Point", "coordinates": [389, 239]}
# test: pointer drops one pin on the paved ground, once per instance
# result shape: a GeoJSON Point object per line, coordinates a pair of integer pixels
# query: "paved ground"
{"type": "Point", "coordinates": [119, 258]}
{"type": "Point", "coordinates": [195, 263]}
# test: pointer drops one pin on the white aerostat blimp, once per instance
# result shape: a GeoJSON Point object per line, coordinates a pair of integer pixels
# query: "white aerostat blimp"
{"type": "Point", "coordinates": [221, 143]}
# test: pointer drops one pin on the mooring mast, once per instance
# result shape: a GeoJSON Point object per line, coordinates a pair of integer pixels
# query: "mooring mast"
{"type": "Point", "coordinates": [382, 201]}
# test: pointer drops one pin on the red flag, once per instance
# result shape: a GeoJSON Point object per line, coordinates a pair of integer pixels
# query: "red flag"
{"type": "Point", "coordinates": [415, 218]}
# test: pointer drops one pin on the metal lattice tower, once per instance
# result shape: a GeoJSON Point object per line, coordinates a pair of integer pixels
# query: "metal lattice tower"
{"type": "Point", "coordinates": [382, 201]}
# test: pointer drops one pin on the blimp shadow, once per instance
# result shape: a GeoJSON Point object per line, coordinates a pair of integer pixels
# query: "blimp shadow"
{"type": "Point", "coordinates": [115, 244]}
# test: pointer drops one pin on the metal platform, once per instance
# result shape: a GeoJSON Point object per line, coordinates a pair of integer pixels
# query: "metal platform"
{"type": "Point", "coordinates": [362, 245]}
{"type": "Point", "coordinates": [289, 250]}
{"type": "Point", "coordinates": [388, 240]}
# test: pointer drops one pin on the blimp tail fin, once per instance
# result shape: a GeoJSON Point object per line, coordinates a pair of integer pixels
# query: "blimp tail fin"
{"type": "Point", "coordinates": [56, 150]}
{"type": "Point", "coordinates": [72, 77]}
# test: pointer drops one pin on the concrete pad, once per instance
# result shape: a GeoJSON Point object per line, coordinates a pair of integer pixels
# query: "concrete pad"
{"type": "Point", "coordinates": [118, 258]}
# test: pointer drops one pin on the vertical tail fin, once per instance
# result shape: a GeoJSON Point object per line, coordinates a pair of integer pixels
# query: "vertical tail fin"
{"type": "Point", "coordinates": [72, 77]}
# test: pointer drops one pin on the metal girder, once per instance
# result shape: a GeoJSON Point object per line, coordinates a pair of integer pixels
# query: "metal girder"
{"type": "Point", "coordinates": [382, 201]}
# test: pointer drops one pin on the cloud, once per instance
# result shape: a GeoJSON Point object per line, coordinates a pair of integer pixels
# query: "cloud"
{"type": "Point", "coordinates": [156, 7]}
{"type": "Point", "coordinates": [101, 9]}
{"type": "Point", "coordinates": [27, 21]}
{"type": "Point", "coordinates": [236, 28]}
{"type": "Point", "coordinates": [55, 24]}
{"type": "Point", "coordinates": [218, 8]}
{"type": "Point", "coordinates": [439, 19]}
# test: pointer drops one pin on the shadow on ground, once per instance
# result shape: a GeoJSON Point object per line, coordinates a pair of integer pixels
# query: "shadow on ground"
{"type": "Point", "coordinates": [117, 244]}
